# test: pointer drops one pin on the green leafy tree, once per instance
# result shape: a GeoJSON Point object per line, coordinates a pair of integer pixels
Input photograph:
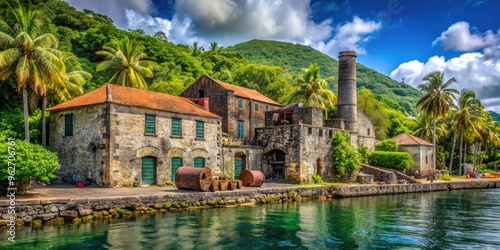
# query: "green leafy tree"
{"type": "Point", "coordinates": [345, 157]}
{"type": "Point", "coordinates": [436, 101]}
{"type": "Point", "coordinates": [313, 91]}
{"type": "Point", "coordinates": [425, 130]}
{"type": "Point", "coordinates": [374, 109]}
{"type": "Point", "coordinates": [196, 50]}
{"type": "Point", "coordinates": [34, 59]}
{"type": "Point", "coordinates": [388, 145]}
{"type": "Point", "coordinates": [161, 35]}
{"type": "Point", "coordinates": [213, 46]}
{"type": "Point", "coordinates": [32, 161]}
{"type": "Point", "coordinates": [126, 58]}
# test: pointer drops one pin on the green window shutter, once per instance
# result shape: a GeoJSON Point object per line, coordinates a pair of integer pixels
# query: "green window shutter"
{"type": "Point", "coordinates": [238, 167]}
{"type": "Point", "coordinates": [148, 170]}
{"type": "Point", "coordinates": [176, 164]}
{"type": "Point", "coordinates": [176, 127]}
{"type": "Point", "coordinates": [68, 125]}
{"type": "Point", "coordinates": [266, 108]}
{"type": "Point", "coordinates": [240, 103]}
{"type": "Point", "coordinates": [150, 127]}
{"type": "Point", "coordinates": [241, 130]}
{"type": "Point", "coordinates": [199, 162]}
{"type": "Point", "coordinates": [200, 129]}
{"type": "Point", "coordinates": [256, 107]}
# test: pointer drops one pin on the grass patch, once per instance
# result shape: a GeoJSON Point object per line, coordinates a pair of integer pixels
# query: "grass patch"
{"type": "Point", "coordinates": [445, 177]}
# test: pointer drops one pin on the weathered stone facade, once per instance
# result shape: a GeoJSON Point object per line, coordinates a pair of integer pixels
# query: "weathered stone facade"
{"type": "Point", "coordinates": [224, 100]}
{"type": "Point", "coordinates": [306, 149]}
{"type": "Point", "coordinates": [251, 156]}
{"type": "Point", "coordinates": [422, 156]}
{"type": "Point", "coordinates": [109, 141]}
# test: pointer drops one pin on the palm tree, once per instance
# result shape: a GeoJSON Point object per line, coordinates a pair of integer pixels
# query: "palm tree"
{"type": "Point", "coordinates": [213, 46]}
{"type": "Point", "coordinates": [313, 91]}
{"type": "Point", "coordinates": [127, 59]}
{"type": "Point", "coordinates": [36, 62]}
{"type": "Point", "coordinates": [436, 101]}
{"type": "Point", "coordinates": [425, 129]}
{"type": "Point", "coordinates": [196, 50]}
{"type": "Point", "coordinates": [466, 119]}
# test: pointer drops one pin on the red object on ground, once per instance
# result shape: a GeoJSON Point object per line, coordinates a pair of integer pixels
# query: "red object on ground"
{"type": "Point", "coordinates": [79, 184]}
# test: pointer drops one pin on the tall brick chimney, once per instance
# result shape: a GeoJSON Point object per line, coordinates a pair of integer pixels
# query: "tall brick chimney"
{"type": "Point", "coordinates": [346, 102]}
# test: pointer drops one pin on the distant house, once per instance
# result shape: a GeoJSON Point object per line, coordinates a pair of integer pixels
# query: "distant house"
{"type": "Point", "coordinates": [420, 150]}
{"type": "Point", "coordinates": [115, 135]}
{"type": "Point", "coordinates": [242, 110]}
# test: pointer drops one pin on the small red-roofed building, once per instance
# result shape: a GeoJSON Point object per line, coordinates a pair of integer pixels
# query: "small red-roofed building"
{"type": "Point", "coordinates": [114, 136]}
{"type": "Point", "coordinates": [421, 151]}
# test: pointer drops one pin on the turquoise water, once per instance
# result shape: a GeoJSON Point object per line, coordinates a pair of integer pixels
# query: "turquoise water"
{"type": "Point", "coordinates": [441, 220]}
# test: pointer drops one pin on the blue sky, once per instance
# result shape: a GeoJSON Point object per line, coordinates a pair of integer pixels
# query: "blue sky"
{"type": "Point", "coordinates": [399, 38]}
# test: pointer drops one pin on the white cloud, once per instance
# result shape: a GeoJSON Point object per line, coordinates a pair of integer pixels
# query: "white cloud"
{"type": "Point", "coordinates": [477, 71]}
{"type": "Point", "coordinates": [349, 37]}
{"type": "Point", "coordinates": [459, 37]}
{"type": "Point", "coordinates": [473, 71]}
{"type": "Point", "coordinates": [115, 9]}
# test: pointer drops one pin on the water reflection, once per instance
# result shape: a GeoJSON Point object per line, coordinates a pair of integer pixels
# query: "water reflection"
{"type": "Point", "coordinates": [444, 220]}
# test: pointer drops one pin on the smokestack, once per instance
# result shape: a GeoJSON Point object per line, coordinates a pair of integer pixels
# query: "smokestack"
{"type": "Point", "coordinates": [346, 102]}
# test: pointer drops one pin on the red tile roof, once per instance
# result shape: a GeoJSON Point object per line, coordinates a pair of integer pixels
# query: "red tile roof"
{"type": "Point", "coordinates": [245, 93]}
{"type": "Point", "coordinates": [138, 98]}
{"type": "Point", "coordinates": [407, 139]}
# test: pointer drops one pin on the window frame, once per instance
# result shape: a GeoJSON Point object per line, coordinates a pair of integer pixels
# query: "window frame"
{"type": "Point", "coordinates": [200, 130]}
{"type": "Point", "coordinates": [146, 126]}
{"type": "Point", "coordinates": [176, 132]}
{"type": "Point", "coordinates": [242, 126]}
{"type": "Point", "coordinates": [240, 103]}
{"type": "Point", "coordinates": [69, 129]}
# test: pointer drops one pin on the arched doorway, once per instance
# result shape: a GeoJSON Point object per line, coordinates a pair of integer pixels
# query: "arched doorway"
{"type": "Point", "coordinates": [239, 164]}
{"type": "Point", "coordinates": [276, 161]}
{"type": "Point", "coordinates": [148, 170]}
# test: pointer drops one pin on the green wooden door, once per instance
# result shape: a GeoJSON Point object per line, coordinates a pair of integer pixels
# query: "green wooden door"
{"type": "Point", "coordinates": [199, 162]}
{"type": "Point", "coordinates": [238, 167]}
{"type": "Point", "coordinates": [176, 164]}
{"type": "Point", "coordinates": [148, 170]}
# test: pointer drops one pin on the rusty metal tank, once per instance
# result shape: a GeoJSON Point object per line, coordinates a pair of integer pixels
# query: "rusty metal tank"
{"type": "Point", "coordinates": [198, 179]}
{"type": "Point", "coordinates": [252, 178]}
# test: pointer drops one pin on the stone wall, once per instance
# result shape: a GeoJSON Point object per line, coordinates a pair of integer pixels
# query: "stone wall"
{"type": "Point", "coordinates": [380, 175]}
{"type": "Point", "coordinates": [307, 149]}
{"type": "Point", "coordinates": [252, 158]}
{"type": "Point", "coordinates": [310, 116]}
{"type": "Point", "coordinates": [82, 156]}
{"type": "Point", "coordinates": [422, 156]}
{"type": "Point", "coordinates": [366, 131]}
{"type": "Point", "coordinates": [56, 211]}
{"type": "Point", "coordinates": [129, 143]}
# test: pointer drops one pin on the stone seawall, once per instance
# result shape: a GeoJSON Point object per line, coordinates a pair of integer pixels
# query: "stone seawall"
{"type": "Point", "coordinates": [58, 211]}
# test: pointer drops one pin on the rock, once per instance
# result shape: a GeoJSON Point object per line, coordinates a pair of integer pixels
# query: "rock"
{"type": "Point", "coordinates": [4, 223]}
{"type": "Point", "coordinates": [68, 214]}
{"type": "Point", "coordinates": [19, 222]}
{"type": "Point", "coordinates": [322, 198]}
{"type": "Point", "coordinates": [83, 212]}
{"type": "Point", "coordinates": [27, 219]}
{"type": "Point", "coordinates": [53, 209]}
{"type": "Point", "coordinates": [44, 217]}
{"type": "Point", "coordinates": [55, 221]}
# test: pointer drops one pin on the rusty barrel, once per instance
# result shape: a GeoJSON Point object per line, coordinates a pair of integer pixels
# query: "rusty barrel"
{"type": "Point", "coordinates": [252, 178]}
{"type": "Point", "coordinates": [198, 179]}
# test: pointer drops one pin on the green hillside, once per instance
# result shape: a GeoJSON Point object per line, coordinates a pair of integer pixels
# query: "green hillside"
{"type": "Point", "coordinates": [293, 57]}
{"type": "Point", "coordinates": [495, 116]}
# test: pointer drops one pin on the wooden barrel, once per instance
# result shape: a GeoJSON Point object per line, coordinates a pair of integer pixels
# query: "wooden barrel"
{"type": "Point", "coordinates": [190, 178]}
{"type": "Point", "coordinates": [252, 178]}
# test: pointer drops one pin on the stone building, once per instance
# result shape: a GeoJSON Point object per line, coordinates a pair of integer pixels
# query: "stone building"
{"type": "Point", "coordinates": [115, 135]}
{"type": "Point", "coordinates": [301, 145]}
{"type": "Point", "coordinates": [242, 110]}
{"type": "Point", "coordinates": [421, 151]}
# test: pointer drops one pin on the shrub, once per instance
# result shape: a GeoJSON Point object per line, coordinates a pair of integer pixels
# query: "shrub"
{"type": "Point", "coordinates": [135, 183]}
{"type": "Point", "coordinates": [169, 183]}
{"type": "Point", "coordinates": [445, 177]}
{"type": "Point", "coordinates": [388, 145]}
{"type": "Point", "coordinates": [364, 153]}
{"type": "Point", "coordinates": [394, 160]}
{"type": "Point", "coordinates": [31, 161]}
{"type": "Point", "coordinates": [345, 158]}
{"type": "Point", "coordinates": [316, 179]}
